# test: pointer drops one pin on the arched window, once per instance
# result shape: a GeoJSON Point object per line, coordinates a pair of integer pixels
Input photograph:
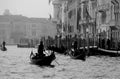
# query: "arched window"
{"type": "Point", "coordinates": [103, 17]}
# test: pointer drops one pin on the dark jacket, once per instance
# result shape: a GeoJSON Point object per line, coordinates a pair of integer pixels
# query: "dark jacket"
{"type": "Point", "coordinates": [40, 48]}
{"type": "Point", "coordinates": [75, 45]}
{"type": "Point", "coordinates": [3, 43]}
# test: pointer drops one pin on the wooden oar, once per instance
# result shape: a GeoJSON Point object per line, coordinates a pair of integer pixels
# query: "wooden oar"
{"type": "Point", "coordinates": [57, 62]}
{"type": "Point", "coordinates": [54, 60]}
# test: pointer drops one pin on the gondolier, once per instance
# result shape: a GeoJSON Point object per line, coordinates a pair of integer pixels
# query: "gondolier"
{"type": "Point", "coordinates": [3, 48]}
{"type": "Point", "coordinates": [42, 57]}
{"type": "Point", "coordinates": [41, 49]}
{"type": "Point", "coordinates": [4, 43]}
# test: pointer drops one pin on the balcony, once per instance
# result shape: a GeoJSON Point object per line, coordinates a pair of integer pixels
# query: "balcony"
{"type": "Point", "coordinates": [103, 7]}
{"type": "Point", "coordinates": [58, 1]}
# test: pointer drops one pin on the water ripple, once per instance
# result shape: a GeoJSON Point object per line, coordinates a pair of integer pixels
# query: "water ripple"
{"type": "Point", "coordinates": [15, 64]}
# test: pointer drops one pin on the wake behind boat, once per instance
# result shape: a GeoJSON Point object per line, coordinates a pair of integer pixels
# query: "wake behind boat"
{"type": "Point", "coordinates": [42, 60]}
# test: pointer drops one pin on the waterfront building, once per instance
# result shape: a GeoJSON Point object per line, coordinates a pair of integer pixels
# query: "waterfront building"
{"type": "Point", "coordinates": [87, 23]}
{"type": "Point", "coordinates": [90, 21]}
{"type": "Point", "coordinates": [76, 17]}
{"type": "Point", "coordinates": [108, 23]}
{"type": "Point", "coordinates": [17, 28]}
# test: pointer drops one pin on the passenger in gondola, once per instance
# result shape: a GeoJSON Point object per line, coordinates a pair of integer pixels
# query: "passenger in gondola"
{"type": "Point", "coordinates": [41, 49]}
{"type": "Point", "coordinates": [74, 47]}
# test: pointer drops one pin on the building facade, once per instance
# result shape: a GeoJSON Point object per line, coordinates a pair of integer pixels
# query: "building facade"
{"type": "Point", "coordinates": [16, 28]}
{"type": "Point", "coordinates": [90, 22]}
{"type": "Point", "coordinates": [108, 23]}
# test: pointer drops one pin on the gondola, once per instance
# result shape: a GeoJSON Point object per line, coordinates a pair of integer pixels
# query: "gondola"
{"type": "Point", "coordinates": [77, 54]}
{"type": "Point", "coordinates": [42, 60]}
{"type": "Point", "coordinates": [108, 52]}
{"type": "Point", "coordinates": [60, 50]}
{"type": "Point", "coordinates": [3, 49]}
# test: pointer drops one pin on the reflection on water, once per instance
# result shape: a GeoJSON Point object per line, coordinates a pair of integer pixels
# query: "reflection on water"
{"type": "Point", "coordinates": [15, 64]}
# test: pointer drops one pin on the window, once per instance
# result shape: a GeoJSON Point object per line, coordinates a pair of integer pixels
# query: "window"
{"type": "Point", "coordinates": [70, 28]}
{"type": "Point", "coordinates": [103, 17]}
{"type": "Point", "coordinates": [70, 14]}
{"type": "Point", "coordinates": [94, 4]}
{"type": "Point", "coordinates": [78, 16]}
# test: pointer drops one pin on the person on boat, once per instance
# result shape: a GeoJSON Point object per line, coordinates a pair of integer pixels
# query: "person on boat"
{"type": "Point", "coordinates": [108, 43]}
{"type": "Point", "coordinates": [74, 47]}
{"type": "Point", "coordinates": [3, 44]}
{"type": "Point", "coordinates": [41, 49]}
{"type": "Point", "coordinates": [62, 48]}
{"type": "Point", "coordinates": [103, 43]}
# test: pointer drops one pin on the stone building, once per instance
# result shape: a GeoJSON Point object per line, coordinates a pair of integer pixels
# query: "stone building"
{"type": "Point", "coordinates": [87, 21]}
{"type": "Point", "coordinates": [14, 28]}
{"type": "Point", "coordinates": [90, 20]}
{"type": "Point", "coordinates": [78, 15]}
{"type": "Point", "coordinates": [108, 22]}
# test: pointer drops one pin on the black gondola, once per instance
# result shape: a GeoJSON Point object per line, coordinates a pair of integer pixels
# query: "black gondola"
{"type": "Point", "coordinates": [60, 50]}
{"type": "Point", "coordinates": [108, 52]}
{"type": "Point", "coordinates": [3, 48]}
{"type": "Point", "coordinates": [44, 60]}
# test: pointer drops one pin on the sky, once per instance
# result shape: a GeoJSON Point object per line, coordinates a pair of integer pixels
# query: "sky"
{"type": "Point", "coordinates": [29, 8]}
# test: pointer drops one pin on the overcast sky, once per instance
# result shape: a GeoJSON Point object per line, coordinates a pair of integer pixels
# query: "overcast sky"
{"type": "Point", "coordinates": [29, 8]}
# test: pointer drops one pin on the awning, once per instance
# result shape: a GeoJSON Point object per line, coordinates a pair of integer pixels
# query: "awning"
{"type": "Point", "coordinates": [113, 28]}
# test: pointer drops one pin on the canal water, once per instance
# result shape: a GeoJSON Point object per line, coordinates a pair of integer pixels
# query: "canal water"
{"type": "Point", "coordinates": [15, 64]}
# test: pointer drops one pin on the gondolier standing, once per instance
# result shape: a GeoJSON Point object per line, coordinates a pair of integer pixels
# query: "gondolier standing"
{"type": "Point", "coordinates": [3, 48]}
{"type": "Point", "coordinates": [3, 44]}
{"type": "Point", "coordinates": [41, 49]}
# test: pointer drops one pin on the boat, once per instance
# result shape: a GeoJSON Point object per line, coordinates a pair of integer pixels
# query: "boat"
{"type": "Point", "coordinates": [108, 52]}
{"type": "Point", "coordinates": [60, 50]}
{"type": "Point", "coordinates": [77, 54]}
{"type": "Point", "coordinates": [3, 48]}
{"type": "Point", "coordinates": [25, 45]}
{"type": "Point", "coordinates": [44, 60]}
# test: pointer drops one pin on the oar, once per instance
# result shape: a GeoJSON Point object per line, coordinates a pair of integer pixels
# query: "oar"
{"type": "Point", "coordinates": [57, 62]}
{"type": "Point", "coordinates": [54, 60]}
{"type": "Point", "coordinates": [31, 52]}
